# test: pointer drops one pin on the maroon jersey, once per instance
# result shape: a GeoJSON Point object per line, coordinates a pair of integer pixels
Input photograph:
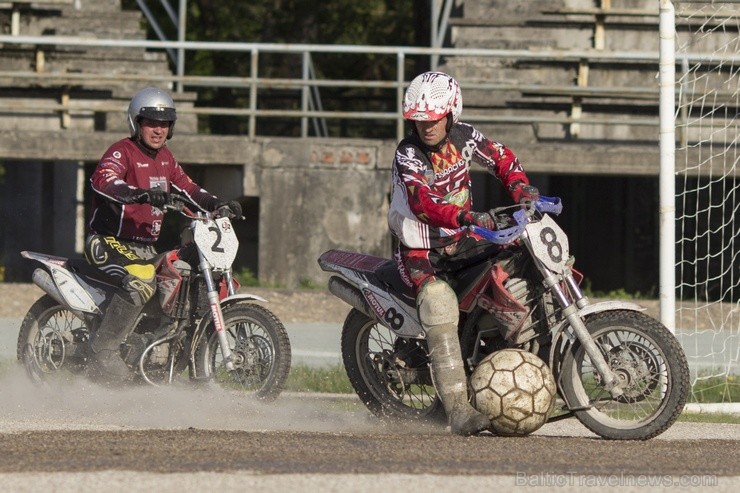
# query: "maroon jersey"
{"type": "Point", "coordinates": [430, 188]}
{"type": "Point", "coordinates": [125, 167]}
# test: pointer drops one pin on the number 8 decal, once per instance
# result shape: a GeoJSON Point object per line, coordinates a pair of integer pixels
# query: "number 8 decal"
{"type": "Point", "coordinates": [554, 249]}
{"type": "Point", "coordinates": [394, 319]}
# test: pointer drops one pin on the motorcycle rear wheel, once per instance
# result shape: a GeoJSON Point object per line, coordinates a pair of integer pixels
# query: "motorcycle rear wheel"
{"type": "Point", "coordinates": [377, 363]}
{"type": "Point", "coordinates": [650, 364]}
{"type": "Point", "coordinates": [52, 342]}
{"type": "Point", "coordinates": [260, 347]}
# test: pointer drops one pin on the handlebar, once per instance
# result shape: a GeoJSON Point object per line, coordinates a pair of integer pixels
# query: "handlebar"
{"type": "Point", "coordinates": [521, 216]}
{"type": "Point", "coordinates": [180, 205]}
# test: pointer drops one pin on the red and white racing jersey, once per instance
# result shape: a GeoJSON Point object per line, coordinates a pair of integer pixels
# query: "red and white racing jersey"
{"type": "Point", "coordinates": [431, 187]}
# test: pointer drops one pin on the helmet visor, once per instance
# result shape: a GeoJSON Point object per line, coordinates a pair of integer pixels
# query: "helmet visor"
{"type": "Point", "coordinates": [160, 114]}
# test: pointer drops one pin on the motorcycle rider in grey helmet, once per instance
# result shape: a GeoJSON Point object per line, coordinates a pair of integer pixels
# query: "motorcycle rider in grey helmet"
{"type": "Point", "coordinates": [131, 184]}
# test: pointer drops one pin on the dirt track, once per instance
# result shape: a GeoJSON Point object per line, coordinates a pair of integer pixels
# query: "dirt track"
{"type": "Point", "coordinates": [79, 437]}
{"type": "Point", "coordinates": [77, 431]}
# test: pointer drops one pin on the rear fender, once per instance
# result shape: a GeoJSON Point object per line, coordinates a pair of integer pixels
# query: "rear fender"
{"type": "Point", "coordinates": [362, 289]}
{"type": "Point", "coordinates": [61, 284]}
{"type": "Point", "coordinates": [380, 304]}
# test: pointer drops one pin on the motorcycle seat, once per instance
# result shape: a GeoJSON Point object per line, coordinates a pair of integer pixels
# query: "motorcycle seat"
{"type": "Point", "coordinates": [388, 273]}
{"type": "Point", "coordinates": [83, 268]}
{"type": "Point", "coordinates": [465, 279]}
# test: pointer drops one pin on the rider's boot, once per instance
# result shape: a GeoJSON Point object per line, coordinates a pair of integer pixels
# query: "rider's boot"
{"type": "Point", "coordinates": [438, 312]}
{"type": "Point", "coordinates": [106, 365]}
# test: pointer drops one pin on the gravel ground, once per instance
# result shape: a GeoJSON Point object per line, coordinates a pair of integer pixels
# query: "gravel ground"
{"type": "Point", "coordinates": [80, 437]}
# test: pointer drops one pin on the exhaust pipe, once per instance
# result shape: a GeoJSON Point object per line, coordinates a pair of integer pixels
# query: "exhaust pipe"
{"type": "Point", "coordinates": [350, 295]}
{"type": "Point", "coordinates": [43, 280]}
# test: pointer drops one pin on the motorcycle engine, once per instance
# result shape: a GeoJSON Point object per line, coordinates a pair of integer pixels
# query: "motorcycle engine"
{"type": "Point", "coordinates": [536, 321]}
{"type": "Point", "coordinates": [159, 355]}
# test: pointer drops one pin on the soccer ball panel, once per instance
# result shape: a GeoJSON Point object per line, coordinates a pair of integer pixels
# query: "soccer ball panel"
{"type": "Point", "coordinates": [515, 389]}
{"type": "Point", "coordinates": [480, 380]}
{"type": "Point", "coordinates": [502, 381]}
{"type": "Point", "coordinates": [490, 403]}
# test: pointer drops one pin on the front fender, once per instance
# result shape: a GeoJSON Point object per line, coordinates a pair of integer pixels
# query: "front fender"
{"type": "Point", "coordinates": [602, 306]}
{"type": "Point", "coordinates": [228, 301]}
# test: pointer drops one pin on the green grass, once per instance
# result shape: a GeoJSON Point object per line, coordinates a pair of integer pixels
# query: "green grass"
{"type": "Point", "coordinates": [332, 380]}
{"type": "Point", "coordinates": [247, 278]}
{"type": "Point", "coordinates": [725, 388]}
{"type": "Point", "coordinates": [620, 294]}
{"type": "Point", "coordinates": [690, 417]}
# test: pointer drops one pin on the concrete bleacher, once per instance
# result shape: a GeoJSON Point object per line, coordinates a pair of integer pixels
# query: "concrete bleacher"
{"type": "Point", "coordinates": [588, 114]}
{"type": "Point", "coordinates": [592, 87]}
{"type": "Point", "coordinates": [15, 14]}
{"type": "Point", "coordinates": [563, 86]}
{"type": "Point", "coordinates": [79, 88]}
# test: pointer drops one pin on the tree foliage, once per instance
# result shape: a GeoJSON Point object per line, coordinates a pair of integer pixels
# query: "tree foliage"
{"type": "Point", "coordinates": [369, 22]}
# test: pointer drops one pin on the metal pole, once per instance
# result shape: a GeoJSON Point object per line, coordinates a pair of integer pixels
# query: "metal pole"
{"type": "Point", "coordinates": [667, 180]}
{"type": "Point", "coordinates": [305, 92]}
{"type": "Point", "coordinates": [400, 77]}
{"type": "Point", "coordinates": [253, 92]}
{"type": "Point", "coordinates": [181, 24]}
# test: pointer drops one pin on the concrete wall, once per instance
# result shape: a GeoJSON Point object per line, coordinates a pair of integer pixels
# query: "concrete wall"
{"type": "Point", "coordinates": [311, 195]}
{"type": "Point", "coordinates": [317, 195]}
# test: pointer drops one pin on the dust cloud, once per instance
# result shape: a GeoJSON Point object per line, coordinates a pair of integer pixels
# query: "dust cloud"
{"type": "Point", "coordinates": [82, 405]}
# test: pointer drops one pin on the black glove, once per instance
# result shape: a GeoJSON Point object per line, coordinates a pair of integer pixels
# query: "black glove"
{"type": "Point", "coordinates": [482, 219]}
{"type": "Point", "coordinates": [154, 196]}
{"type": "Point", "coordinates": [232, 208]}
{"type": "Point", "coordinates": [521, 192]}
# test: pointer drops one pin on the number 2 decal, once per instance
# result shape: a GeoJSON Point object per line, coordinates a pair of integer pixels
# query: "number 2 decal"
{"type": "Point", "coordinates": [215, 247]}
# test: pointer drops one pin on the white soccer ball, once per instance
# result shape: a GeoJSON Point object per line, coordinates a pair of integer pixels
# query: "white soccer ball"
{"type": "Point", "coordinates": [515, 389]}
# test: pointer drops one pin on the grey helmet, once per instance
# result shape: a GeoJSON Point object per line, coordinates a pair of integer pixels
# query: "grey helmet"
{"type": "Point", "coordinates": [154, 104]}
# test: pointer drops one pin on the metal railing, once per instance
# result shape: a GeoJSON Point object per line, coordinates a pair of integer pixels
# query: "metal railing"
{"type": "Point", "coordinates": [308, 84]}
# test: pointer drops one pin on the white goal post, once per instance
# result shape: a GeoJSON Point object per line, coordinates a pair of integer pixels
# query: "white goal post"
{"type": "Point", "coordinates": [700, 188]}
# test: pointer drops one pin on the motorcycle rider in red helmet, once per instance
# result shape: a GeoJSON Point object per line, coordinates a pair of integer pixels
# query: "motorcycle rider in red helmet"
{"type": "Point", "coordinates": [131, 184]}
{"type": "Point", "coordinates": [429, 214]}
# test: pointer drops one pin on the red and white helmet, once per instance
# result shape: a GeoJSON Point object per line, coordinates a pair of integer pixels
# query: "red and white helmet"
{"type": "Point", "coordinates": [431, 96]}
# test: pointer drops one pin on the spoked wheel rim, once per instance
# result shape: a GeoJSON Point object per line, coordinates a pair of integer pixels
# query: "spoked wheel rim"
{"type": "Point", "coordinates": [641, 367]}
{"type": "Point", "coordinates": [49, 350]}
{"type": "Point", "coordinates": [253, 357]}
{"type": "Point", "coordinates": [403, 391]}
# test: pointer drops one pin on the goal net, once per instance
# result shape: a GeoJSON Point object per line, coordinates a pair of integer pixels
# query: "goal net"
{"type": "Point", "coordinates": [707, 170]}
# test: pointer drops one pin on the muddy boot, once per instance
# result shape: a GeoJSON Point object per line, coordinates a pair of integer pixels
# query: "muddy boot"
{"type": "Point", "coordinates": [438, 312]}
{"type": "Point", "coordinates": [106, 365]}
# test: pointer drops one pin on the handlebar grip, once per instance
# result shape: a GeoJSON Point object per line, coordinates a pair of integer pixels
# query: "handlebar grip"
{"type": "Point", "coordinates": [552, 205]}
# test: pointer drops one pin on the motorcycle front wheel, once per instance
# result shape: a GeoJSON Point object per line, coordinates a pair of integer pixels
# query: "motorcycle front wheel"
{"type": "Point", "coordinates": [52, 342]}
{"type": "Point", "coordinates": [390, 374]}
{"type": "Point", "coordinates": [651, 368]}
{"type": "Point", "coordinates": [260, 348]}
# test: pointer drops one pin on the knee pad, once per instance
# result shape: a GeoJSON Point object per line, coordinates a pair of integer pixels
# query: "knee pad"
{"type": "Point", "coordinates": [437, 304]}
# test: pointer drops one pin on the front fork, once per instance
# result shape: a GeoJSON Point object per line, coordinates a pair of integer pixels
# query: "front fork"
{"type": "Point", "coordinates": [570, 312]}
{"type": "Point", "coordinates": [215, 303]}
